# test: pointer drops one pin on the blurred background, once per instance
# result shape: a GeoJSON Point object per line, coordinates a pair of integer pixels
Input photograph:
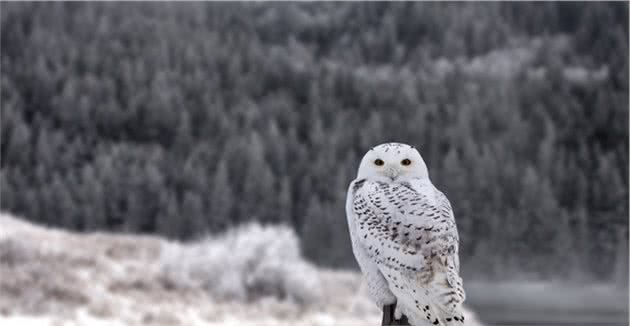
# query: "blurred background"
{"type": "Point", "coordinates": [205, 149]}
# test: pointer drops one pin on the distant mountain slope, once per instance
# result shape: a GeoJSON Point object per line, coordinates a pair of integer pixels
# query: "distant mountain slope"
{"type": "Point", "coordinates": [181, 119]}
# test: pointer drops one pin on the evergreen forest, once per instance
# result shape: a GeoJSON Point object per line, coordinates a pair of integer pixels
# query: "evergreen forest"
{"type": "Point", "coordinates": [183, 119]}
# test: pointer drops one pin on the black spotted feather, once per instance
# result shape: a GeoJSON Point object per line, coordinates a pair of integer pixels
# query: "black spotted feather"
{"type": "Point", "coordinates": [409, 231]}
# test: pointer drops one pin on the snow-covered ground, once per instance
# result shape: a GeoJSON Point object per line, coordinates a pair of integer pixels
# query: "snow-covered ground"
{"type": "Point", "coordinates": [252, 275]}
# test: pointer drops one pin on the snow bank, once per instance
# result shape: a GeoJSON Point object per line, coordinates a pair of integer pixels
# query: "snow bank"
{"type": "Point", "coordinates": [252, 275]}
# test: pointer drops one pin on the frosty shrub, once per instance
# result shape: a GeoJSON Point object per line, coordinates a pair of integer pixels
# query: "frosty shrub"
{"type": "Point", "coordinates": [244, 264]}
{"type": "Point", "coordinates": [13, 251]}
{"type": "Point", "coordinates": [36, 280]}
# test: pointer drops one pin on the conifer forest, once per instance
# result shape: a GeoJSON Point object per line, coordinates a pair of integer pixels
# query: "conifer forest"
{"type": "Point", "coordinates": [186, 119]}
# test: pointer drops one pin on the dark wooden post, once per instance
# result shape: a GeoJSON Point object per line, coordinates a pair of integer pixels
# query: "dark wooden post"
{"type": "Point", "coordinates": [388, 317]}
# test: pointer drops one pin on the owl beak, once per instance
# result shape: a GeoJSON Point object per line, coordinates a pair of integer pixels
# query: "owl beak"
{"type": "Point", "coordinates": [392, 172]}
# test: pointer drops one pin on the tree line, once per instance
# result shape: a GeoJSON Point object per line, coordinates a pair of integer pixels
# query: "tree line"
{"type": "Point", "coordinates": [189, 118]}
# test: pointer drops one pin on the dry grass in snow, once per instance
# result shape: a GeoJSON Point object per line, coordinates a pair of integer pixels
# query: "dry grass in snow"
{"type": "Point", "coordinates": [252, 275]}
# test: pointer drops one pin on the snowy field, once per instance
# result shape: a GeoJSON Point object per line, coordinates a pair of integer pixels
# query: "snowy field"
{"type": "Point", "coordinates": [252, 275]}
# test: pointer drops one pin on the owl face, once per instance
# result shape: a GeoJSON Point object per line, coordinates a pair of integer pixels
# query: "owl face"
{"type": "Point", "coordinates": [392, 162]}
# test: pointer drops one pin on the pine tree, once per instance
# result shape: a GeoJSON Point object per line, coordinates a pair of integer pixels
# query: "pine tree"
{"type": "Point", "coordinates": [193, 218]}
{"type": "Point", "coordinates": [315, 233]}
{"type": "Point", "coordinates": [285, 202]}
{"type": "Point", "coordinates": [221, 198]}
{"type": "Point", "coordinates": [61, 205]}
{"type": "Point", "coordinates": [93, 198]}
{"type": "Point", "coordinates": [258, 184]}
{"type": "Point", "coordinates": [19, 140]}
{"type": "Point", "coordinates": [168, 220]}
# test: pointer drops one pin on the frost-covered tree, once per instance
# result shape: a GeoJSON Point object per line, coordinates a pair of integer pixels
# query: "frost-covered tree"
{"type": "Point", "coordinates": [197, 119]}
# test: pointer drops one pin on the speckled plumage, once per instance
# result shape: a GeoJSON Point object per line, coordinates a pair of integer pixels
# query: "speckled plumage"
{"type": "Point", "coordinates": [405, 239]}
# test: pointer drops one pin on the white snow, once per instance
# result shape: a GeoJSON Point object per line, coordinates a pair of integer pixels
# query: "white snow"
{"type": "Point", "coordinates": [253, 275]}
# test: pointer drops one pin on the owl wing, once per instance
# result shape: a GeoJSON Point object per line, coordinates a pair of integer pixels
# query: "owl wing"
{"type": "Point", "coordinates": [378, 288]}
{"type": "Point", "coordinates": [409, 231]}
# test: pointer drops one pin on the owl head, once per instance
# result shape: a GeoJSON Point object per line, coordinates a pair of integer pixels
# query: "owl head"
{"type": "Point", "coordinates": [392, 162]}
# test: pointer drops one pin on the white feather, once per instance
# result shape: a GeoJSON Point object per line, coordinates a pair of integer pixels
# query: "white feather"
{"type": "Point", "coordinates": [405, 238]}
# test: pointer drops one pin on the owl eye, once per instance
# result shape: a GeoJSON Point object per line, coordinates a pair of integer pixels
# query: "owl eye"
{"type": "Point", "coordinates": [405, 162]}
{"type": "Point", "coordinates": [379, 162]}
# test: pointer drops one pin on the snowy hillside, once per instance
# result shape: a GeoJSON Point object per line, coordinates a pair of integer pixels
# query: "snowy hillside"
{"type": "Point", "coordinates": [253, 275]}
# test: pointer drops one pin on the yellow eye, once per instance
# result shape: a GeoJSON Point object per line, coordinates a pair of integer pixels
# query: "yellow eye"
{"type": "Point", "coordinates": [405, 162]}
{"type": "Point", "coordinates": [379, 162]}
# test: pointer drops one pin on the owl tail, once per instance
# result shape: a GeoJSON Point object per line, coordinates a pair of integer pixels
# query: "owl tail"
{"type": "Point", "coordinates": [440, 306]}
{"type": "Point", "coordinates": [389, 317]}
{"type": "Point", "coordinates": [446, 299]}
{"type": "Point", "coordinates": [430, 316]}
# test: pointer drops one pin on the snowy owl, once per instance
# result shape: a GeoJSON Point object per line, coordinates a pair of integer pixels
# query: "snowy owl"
{"type": "Point", "coordinates": [404, 237]}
